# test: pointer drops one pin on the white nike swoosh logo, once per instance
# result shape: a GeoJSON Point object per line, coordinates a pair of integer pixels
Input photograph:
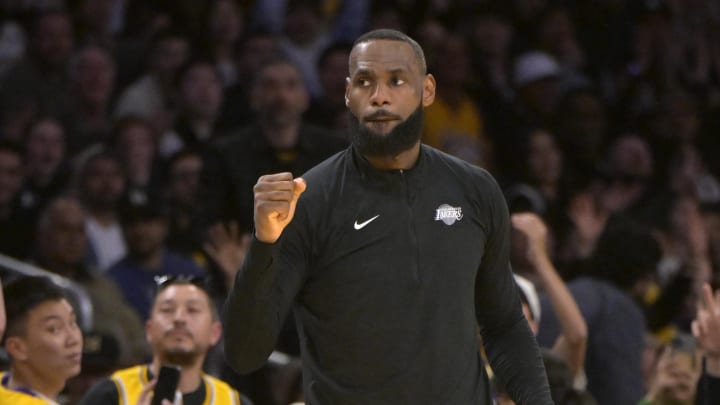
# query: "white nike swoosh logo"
{"type": "Point", "coordinates": [364, 224]}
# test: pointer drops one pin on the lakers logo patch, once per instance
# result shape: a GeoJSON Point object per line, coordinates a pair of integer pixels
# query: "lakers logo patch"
{"type": "Point", "coordinates": [448, 214]}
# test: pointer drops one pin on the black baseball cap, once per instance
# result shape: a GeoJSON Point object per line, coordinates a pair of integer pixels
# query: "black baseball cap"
{"type": "Point", "coordinates": [140, 205]}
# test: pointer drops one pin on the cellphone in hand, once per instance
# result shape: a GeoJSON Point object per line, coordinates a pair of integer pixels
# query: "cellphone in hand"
{"type": "Point", "coordinates": [684, 349]}
{"type": "Point", "coordinates": [166, 385]}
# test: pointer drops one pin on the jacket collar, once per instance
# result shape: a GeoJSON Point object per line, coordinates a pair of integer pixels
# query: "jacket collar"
{"type": "Point", "coordinates": [369, 173]}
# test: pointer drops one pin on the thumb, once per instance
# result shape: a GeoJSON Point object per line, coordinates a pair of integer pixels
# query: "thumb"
{"type": "Point", "coordinates": [299, 188]}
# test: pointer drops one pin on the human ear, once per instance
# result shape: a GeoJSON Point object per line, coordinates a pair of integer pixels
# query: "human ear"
{"type": "Point", "coordinates": [216, 330]}
{"type": "Point", "coordinates": [428, 94]}
{"type": "Point", "coordinates": [16, 348]}
{"type": "Point", "coordinates": [347, 92]}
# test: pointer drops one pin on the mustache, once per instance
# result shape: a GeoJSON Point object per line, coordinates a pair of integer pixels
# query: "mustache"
{"type": "Point", "coordinates": [379, 114]}
{"type": "Point", "coordinates": [182, 331]}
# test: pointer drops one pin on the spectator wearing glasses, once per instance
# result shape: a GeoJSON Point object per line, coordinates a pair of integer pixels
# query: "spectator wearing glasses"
{"type": "Point", "coordinates": [182, 327]}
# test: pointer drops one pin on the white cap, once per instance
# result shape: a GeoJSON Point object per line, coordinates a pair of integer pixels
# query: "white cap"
{"type": "Point", "coordinates": [533, 66]}
{"type": "Point", "coordinates": [527, 288]}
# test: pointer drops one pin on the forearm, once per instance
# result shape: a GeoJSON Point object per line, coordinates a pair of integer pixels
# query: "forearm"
{"type": "Point", "coordinates": [566, 309]}
{"type": "Point", "coordinates": [572, 324]}
{"type": "Point", "coordinates": [252, 320]}
{"type": "Point", "coordinates": [515, 358]}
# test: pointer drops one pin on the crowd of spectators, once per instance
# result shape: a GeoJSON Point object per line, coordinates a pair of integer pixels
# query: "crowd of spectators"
{"type": "Point", "coordinates": [132, 132]}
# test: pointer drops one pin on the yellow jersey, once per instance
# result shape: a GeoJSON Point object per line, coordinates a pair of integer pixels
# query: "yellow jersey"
{"type": "Point", "coordinates": [130, 381]}
{"type": "Point", "coordinates": [13, 397]}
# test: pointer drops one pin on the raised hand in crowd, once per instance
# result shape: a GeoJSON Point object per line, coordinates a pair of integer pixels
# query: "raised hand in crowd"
{"type": "Point", "coordinates": [706, 329]}
{"type": "Point", "coordinates": [676, 377]}
{"type": "Point", "coordinates": [227, 246]}
{"type": "Point", "coordinates": [571, 343]}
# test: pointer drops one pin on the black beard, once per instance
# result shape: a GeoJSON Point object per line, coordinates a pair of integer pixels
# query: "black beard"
{"type": "Point", "coordinates": [180, 357]}
{"type": "Point", "coordinates": [401, 138]}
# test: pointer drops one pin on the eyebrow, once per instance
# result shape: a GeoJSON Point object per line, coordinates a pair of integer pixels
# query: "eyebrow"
{"type": "Point", "coordinates": [56, 317]}
{"type": "Point", "coordinates": [371, 72]}
{"type": "Point", "coordinates": [174, 301]}
{"type": "Point", "coordinates": [363, 71]}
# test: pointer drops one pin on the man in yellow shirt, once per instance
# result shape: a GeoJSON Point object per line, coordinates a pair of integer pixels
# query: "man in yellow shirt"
{"type": "Point", "coordinates": [182, 327]}
{"type": "Point", "coordinates": [43, 341]}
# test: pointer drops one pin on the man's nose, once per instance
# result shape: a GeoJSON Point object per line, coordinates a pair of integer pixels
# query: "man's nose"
{"type": "Point", "coordinates": [74, 337]}
{"type": "Point", "coordinates": [380, 95]}
{"type": "Point", "coordinates": [180, 315]}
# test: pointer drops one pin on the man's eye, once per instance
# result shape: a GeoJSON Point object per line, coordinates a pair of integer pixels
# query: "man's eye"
{"type": "Point", "coordinates": [398, 82]}
{"type": "Point", "coordinates": [363, 82]}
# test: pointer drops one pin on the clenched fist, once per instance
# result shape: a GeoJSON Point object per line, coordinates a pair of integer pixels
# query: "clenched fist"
{"type": "Point", "coordinates": [276, 197]}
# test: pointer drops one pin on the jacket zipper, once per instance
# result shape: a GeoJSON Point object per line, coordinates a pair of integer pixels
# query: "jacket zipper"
{"type": "Point", "coordinates": [412, 232]}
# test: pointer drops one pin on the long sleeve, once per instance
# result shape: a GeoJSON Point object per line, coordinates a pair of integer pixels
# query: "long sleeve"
{"type": "Point", "coordinates": [263, 293]}
{"type": "Point", "coordinates": [510, 345]}
{"type": "Point", "coordinates": [708, 389]}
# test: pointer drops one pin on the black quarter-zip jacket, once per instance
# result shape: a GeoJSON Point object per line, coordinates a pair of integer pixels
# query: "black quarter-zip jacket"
{"type": "Point", "coordinates": [389, 274]}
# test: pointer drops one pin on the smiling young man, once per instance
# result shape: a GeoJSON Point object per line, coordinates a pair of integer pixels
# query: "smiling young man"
{"type": "Point", "coordinates": [43, 341]}
{"type": "Point", "coordinates": [182, 327]}
{"type": "Point", "coordinates": [390, 260]}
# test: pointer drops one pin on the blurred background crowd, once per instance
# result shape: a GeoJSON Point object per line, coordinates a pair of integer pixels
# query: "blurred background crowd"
{"type": "Point", "coordinates": [132, 131]}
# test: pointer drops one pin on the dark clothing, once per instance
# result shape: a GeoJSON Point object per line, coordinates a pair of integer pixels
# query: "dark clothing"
{"type": "Point", "coordinates": [388, 311]}
{"type": "Point", "coordinates": [325, 115]}
{"type": "Point", "coordinates": [616, 331]}
{"type": "Point", "coordinates": [26, 87]}
{"type": "Point", "coordinates": [138, 283]}
{"type": "Point", "coordinates": [708, 390]}
{"type": "Point", "coordinates": [34, 197]}
{"type": "Point", "coordinates": [185, 233]}
{"type": "Point", "coordinates": [191, 139]}
{"type": "Point", "coordinates": [17, 233]}
{"type": "Point", "coordinates": [236, 111]}
{"type": "Point", "coordinates": [240, 159]}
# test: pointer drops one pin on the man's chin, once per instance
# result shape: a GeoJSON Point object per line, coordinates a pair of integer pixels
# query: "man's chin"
{"type": "Point", "coordinates": [180, 356]}
{"type": "Point", "coordinates": [74, 371]}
